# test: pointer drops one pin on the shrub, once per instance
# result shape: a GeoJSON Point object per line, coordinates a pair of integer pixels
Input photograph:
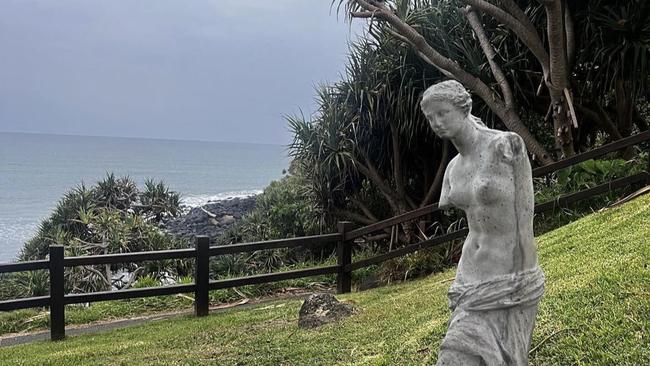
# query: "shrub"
{"type": "Point", "coordinates": [582, 176]}
{"type": "Point", "coordinates": [283, 210]}
{"type": "Point", "coordinates": [112, 216]}
{"type": "Point", "coordinates": [157, 201]}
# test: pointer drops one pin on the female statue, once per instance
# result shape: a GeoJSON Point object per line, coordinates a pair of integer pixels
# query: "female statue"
{"type": "Point", "coordinates": [498, 283]}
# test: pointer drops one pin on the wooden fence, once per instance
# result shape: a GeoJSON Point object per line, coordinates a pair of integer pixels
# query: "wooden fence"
{"type": "Point", "coordinates": [344, 238]}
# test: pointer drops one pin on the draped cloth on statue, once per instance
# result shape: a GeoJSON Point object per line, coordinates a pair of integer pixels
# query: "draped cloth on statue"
{"type": "Point", "coordinates": [493, 320]}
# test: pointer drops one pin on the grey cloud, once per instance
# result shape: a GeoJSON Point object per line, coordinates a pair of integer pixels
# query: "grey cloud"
{"type": "Point", "coordinates": [212, 70]}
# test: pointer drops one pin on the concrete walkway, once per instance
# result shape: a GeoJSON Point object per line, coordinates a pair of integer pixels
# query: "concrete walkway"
{"type": "Point", "coordinates": [13, 339]}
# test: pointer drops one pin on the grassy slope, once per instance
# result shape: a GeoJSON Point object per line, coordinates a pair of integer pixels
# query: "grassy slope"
{"type": "Point", "coordinates": [596, 311]}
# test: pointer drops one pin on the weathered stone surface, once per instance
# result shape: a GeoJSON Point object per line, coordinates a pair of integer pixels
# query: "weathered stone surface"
{"type": "Point", "coordinates": [498, 283]}
{"type": "Point", "coordinates": [211, 219]}
{"type": "Point", "coordinates": [322, 308]}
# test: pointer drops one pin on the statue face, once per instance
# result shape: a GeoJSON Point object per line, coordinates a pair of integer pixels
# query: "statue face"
{"type": "Point", "coordinates": [445, 119]}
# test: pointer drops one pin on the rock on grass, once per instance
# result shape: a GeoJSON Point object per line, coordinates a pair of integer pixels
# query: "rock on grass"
{"type": "Point", "coordinates": [322, 308]}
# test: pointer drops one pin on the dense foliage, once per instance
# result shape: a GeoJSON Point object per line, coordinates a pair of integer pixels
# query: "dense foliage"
{"type": "Point", "coordinates": [369, 154]}
{"type": "Point", "coordinates": [113, 216]}
{"type": "Point", "coordinates": [283, 210]}
{"type": "Point", "coordinates": [595, 311]}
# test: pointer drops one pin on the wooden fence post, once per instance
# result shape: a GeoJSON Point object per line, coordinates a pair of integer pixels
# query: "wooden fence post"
{"type": "Point", "coordinates": [57, 304]}
{"type": "Point", "coordinates": [344, 258]}
{"type": "Point", "coordinates": [202, 276]}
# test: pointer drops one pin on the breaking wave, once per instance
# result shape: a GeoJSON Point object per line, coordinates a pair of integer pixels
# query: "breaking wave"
{"type": "Point", "coordinates": [200, 200]}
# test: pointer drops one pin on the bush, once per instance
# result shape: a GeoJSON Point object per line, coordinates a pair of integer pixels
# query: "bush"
{"type": "Point", "coordinates": [112, 216]}
{"type": "Point", "coordinates": [157, 201]}
{"type": "Point", "coordinates": [587, 174]}
{"type": "Point", "coordinates": [283, 210]}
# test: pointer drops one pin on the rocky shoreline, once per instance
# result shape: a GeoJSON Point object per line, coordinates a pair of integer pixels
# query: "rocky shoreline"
{"type": "Point", "coordinates": [211, 219]}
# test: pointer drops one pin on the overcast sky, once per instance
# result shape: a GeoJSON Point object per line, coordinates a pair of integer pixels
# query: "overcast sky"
{"type": "Point", "coordinates": [220, 70]}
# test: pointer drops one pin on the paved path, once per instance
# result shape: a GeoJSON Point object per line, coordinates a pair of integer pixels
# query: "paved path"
{"type": "Point", "coordinates": [13, 339]}
{"type": "Point", "coordinates": [22, 338]}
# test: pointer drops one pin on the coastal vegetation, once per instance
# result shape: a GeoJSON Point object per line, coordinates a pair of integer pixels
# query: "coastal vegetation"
{"type": "Point", "coordinates": [567, 60]}
{"type": "Point", "coordinates": [112, 216]}
{"type": "Point", "coordinates": [595, 311]}
{"type": "Point", "coordinates": [369, 154]}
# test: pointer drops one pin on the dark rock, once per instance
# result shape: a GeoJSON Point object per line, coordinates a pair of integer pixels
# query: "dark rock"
{"type": "Point", "coordinates": [211, 219]}
{"type": "Point", "coordinates": [321, 309]}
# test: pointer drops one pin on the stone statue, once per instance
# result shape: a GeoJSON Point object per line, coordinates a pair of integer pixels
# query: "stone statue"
{"type": "Point", "coordinates": [498, 283]}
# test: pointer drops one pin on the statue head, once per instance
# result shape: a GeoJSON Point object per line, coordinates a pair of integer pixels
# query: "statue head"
{"type": "Point", "coordinates": [447, 106]}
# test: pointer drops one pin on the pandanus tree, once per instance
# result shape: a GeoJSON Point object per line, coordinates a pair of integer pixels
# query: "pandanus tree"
{"type": "Point", "coordinates": [607, 42]}
{"type": "Point", "coordinates": [401, 19]}
{"type": "Point", "coordinates": [112, 216]}
{"type": "Point", "coordinates": [608, 59]}
{"type": "Point", "coordinates": [538, 68]}
{"type": "Point", "coordinates": [369, 153]}
{"type": "Point", "coordinates": [612, 64]}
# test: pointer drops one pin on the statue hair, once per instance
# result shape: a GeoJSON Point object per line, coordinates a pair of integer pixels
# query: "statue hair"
{"type": "Point", "coordinates": [453, 92]}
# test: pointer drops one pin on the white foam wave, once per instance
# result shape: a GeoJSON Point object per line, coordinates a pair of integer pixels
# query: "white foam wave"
{"type": "Point", "coordinates": [14, 232]}
{"type": "Point", "coordinates": [200, 200]}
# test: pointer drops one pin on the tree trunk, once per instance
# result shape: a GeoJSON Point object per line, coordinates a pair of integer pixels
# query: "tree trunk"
{"type": "Point", "coordinates": [558, 79]}
{"type": "Point", "coordinates": [561, 123]}
{"type": "Point", "coordinates": [513, 121]}
{"type": "Point", "coordinates": [624, 112]}
{"type": "Point", "coordinates": [624, 107]}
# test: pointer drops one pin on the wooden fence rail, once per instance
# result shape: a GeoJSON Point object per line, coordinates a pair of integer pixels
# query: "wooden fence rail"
{"type": "Point", "coordinates": [344, 240]}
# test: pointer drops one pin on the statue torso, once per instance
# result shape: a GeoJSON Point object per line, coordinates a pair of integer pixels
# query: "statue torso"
{"type": "Point", "coordinates": [485, 187]}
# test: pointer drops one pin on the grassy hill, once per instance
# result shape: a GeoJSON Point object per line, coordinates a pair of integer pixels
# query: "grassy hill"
{"type": "Point", "coordinates": [596, 311]}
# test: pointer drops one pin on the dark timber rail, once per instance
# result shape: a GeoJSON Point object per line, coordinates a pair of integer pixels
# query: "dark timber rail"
{"type": "Point", "coordinates": [344, 238]}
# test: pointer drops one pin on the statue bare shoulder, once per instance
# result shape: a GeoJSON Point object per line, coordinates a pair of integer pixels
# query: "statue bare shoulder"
{"type": "Point", "coordinates": [505, 147]}
{"type": "Point", "coordinates": [508, 146]}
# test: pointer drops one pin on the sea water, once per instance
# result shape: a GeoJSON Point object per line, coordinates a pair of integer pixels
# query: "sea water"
{"type": "Point", "coordinates": [37, 170]}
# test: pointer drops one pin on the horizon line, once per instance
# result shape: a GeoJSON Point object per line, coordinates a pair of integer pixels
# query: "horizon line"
{"type": "Point", "coordinates": [141, 138]}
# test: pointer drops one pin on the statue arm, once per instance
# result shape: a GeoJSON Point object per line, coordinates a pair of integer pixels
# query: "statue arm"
{"type": "Point", "coordinates": [443, 202]}
{"type": "Point", "coordinates": [511, 149]}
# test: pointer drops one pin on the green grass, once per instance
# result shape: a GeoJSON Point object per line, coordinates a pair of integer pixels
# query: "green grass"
{"type": "Point", "coordinates": [39, 319]}
{"type": "Point", "coordinates": [596, 311]}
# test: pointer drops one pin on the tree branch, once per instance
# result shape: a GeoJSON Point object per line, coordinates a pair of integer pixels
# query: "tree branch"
{"type": "Point", "coordinates": [607, 121]}
{"type": "Point", "coordinates": [452, 68]}
{"type": "Point", "coordinates": [431, 55]}
{"type": "Point", "coordinates": [365, 209]}
{"type": "Point", "coordinates": [527, 35]}
{"type": "Point", "coordinates": [490, 54]}
{"type": "Point", "coordinates": [397, 161]}
{"type": "Point", "coordinates": [371, 173]}
{"type": "Point", "coordinates": [570, 37]}
{"type": "Point", "coordinates": [419, 53]}
{"type": "Point", "coordinates": [514, 9]}
{"type": "Point", "coordinates": [362, 14]}
{"type": "Point", "coordinates": [558, 67]}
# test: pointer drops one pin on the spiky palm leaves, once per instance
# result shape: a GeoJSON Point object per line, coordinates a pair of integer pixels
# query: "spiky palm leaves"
{"type": "Point", "coordinates": [104, 219]}
{"type": "Point", "coordinates": [615, 35]}
{"type": "Point", "coordinates": [119, 193]}
{"type": "Point", "coordinates": [613, 62]}
{"type": "Point", "coordinates": [158, 201]}
{"type": "Point", "coordinates": [369, 137]}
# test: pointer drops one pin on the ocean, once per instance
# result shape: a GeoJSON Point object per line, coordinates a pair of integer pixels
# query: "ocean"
{"type": "Point", "coordinates": [36, 170]}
